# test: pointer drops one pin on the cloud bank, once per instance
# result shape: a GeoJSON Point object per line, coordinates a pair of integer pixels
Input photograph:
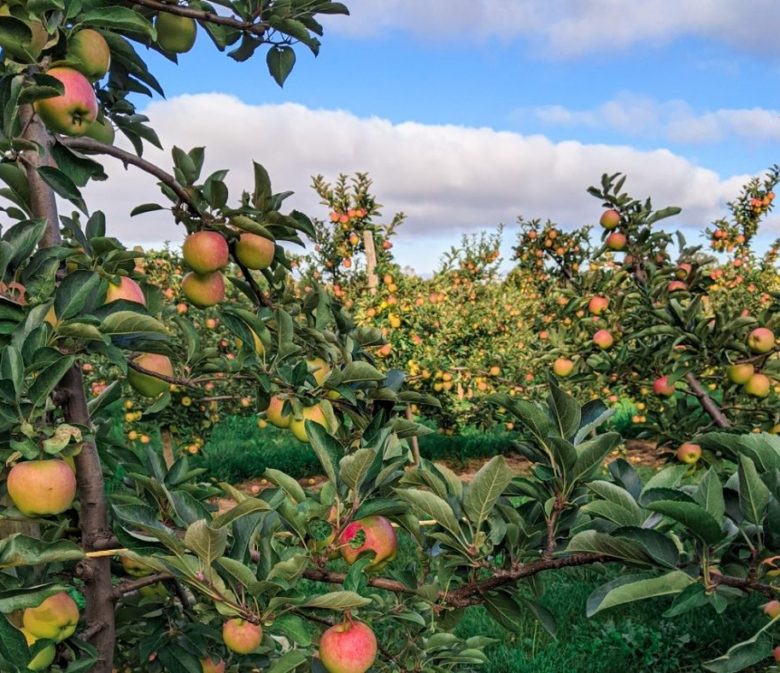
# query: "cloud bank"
{"type": "Point", "coordinates": [448, 179]}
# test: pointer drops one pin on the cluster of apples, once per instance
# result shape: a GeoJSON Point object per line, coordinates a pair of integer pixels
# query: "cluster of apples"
{"type": "Point", "coordinates": [610, 220]}
{"type": "Point", "coordinates": [55, 619]}
{"type": "Point", "coordinates": [761, 341]}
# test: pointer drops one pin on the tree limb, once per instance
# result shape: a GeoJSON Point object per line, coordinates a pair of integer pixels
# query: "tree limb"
{"type": "Point", "coordinates": [258, 29]}
{"type": "Point", "coordinates": [707, 403]}
{"type": "Point", "coordinates": [133, 585]}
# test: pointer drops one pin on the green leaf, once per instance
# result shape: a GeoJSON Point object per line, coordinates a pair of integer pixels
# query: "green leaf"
{"type": "Point", "coordinates": [130, 322]}
{"type": "Point", "coordinates": [506, 611]}
{"type": "Point", "coordinates": [602, 543]}
{"type": "Point", "coordinates": [23, 238]}
{"type": "Point", "coordinates": [28, 597]}
{"type": "Point", "coordinates": [753, 493]}
{"type": "Point", "coordinates": [742, 655]}
{"type": "Point", "coordinates": [636, 588]}
{"type": "Point", "coordinates": [694, 517]}
{"type": "Point", "coordinates": [48, 379]}
{"type": "Point", "coordinates": [13, 647]}
{"type": "Point", "coordinates": [565, 411]}
{"type": "Point", "coordinates": [431, 506]}
{"type": "Point", "coordinates": [118, 18]}
{"type": "Point", "coordinates": [280, 61]}
{"type": "Point", "coordinates": [62, 185]}
{"type": "Point", "coordinates": [284, 481]}
{"type": "Point", "coordinates": [355, 467]}
{"type": "Point", "coordinates": [709, 495]}
{"type": "Point", "coordinates": [337, 600]}
{"type": "Point", "coordinates": [326, 448]}
{"type": "Point", "coordinates": [289, 662]}
{"type": "Point", "coordinates": [360, 371]}
{"type": "Point", "coordinates": [484, 490]}
{"type": "Point", "coordinates": [247, 506]}
{"type": "Point", "coordinates": [591, 454]}
{"type": "Point", "coordinates": [207, 543]}
{"type": "Point", "coordinates": [294, 628]}
{"type": "Point", "coordinates": [75, 291]}
{"type": "Point", "coordinates": [616, 504]}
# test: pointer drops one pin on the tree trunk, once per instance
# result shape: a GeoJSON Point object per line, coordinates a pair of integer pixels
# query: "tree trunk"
{"type": "Point", "coordinates": [368, 244]}
{"type": "Point", "coordinates": [167, 446]}
{"type": "Point", "coordinates": [95, 532]}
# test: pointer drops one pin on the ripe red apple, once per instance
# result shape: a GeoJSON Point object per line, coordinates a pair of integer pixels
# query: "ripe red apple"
{"type": "Point", "coordinates": [758, 385]}
{"type": "Point", "coordinates": [662, 387]}
{"type": "Point", "coordinates": [147, 384]}
{"type": "Point", "coordinates": [676, 286]}
{"type": "Point", "coordinates": [211, 665]}
{"type": "Point", "coordinates": [298, 425]}
{"type": "Point", "coordinates": [562, 367]}
{"type": "Point", "coordinates": [241, 636]}
{"type": "Point", "coordinates": [603, 339]}
{"type": "Point", "coordinates": [204, 290]}
{"type": "Point", "coordinates": [255, 252]}
{"type": "Point", "coordinates": [772, 609]}
{"type": "Point", "coordinates": [126, 289]}
{"type": "Point", "coordinates": [610, 219]}
{"type": "Point", "coordinates": [175, 34]}
{"type": "Point", "coordinates": [380, 538]}
{"type": "Point", "coordinates": [55, 618]}
{"type": "Point", "coordinates": [349, 647]}
{"type": "Point", "coordinates": [683, 270]}
{"type": "Point", "coordinates": [689, 453]}
{"type": "Point", "coordinates": [275, 414]}
{"type": "Point", "coordinates": [740, 373]}
{"type": "Point", "coordinates": [88, 52]}
{"type": "Point", "coordinates": [597, 305]}
{"type": "Point", "coordinates": [74, 110]}
{"type": "Point", "coordinates": [205, 251]}
{"type": "Point", "coordinates": [41, 487]}
{"type": "Point", "coordinates": [761, 340]}
{"type": "Point", "coordinates": [616, 241]}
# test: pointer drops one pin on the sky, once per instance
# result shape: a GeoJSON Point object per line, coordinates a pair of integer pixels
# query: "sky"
{"type": "Point", "coordinates": [470, 113]}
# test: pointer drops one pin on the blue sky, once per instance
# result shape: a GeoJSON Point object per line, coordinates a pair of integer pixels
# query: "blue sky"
{"type": "Point", "coordinates": [468, 114]}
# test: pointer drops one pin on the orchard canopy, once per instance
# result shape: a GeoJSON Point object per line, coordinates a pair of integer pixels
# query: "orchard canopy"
{"type": "Point", "coordinates": [119, 554]}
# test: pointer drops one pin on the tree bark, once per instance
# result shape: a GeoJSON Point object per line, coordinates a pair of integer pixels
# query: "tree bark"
{"type": "Point", "coordinates": [707, 403]}
{"type": "Point", "coordinates": [368, 244]}
{"type": "Point", "coordinates": [96, 572]}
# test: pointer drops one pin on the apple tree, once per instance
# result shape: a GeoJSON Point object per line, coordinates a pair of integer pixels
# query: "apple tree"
{"type": "Point", "coordinates": [114, 560]}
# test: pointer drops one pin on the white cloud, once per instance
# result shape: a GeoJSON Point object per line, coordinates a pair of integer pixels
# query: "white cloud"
{"type": "Point", "coordinates": [674, 121]}
{"type": "Point", "coordinates": [571, 27]}
{"type": "Point", "coordinates": [448, 179]}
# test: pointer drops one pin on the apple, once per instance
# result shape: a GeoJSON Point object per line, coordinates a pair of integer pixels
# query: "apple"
{"type": "Point", "coordinates": [772, 609]}
{"type": "Point", "coordinates": [205, 251]}
{"type": "Point", "coordinates": [740, 373]}
{"type": "Point", "coordinates": [41, 487]}
{"type": "Point", "coordinates": [149, 385]}
{"type": "Point", "coordinates": [55, 618]}
{"type": "Point", "coordinates": [610, 219]}
{"type": "Point", "coordinates": [44, 658]}
{"type": "Point", "coordinates": [175, 34]}
{"type": "Point", "coordinates": [663, 388]}
{"type": "Point", "coordinates": [597, 305]}
{"type": "Point", "coordinates": [126, 289]}
{"type": "Point", "coordinates": [88, 52]}
{"type": "Point", "coordinates": [241, 636]}
{"type": "Point", "coordinates": [761, 340]}
{"type": "Point", "coordinates": [676, 286]}
{"type": "Point", "coordinates": [616, 241]}
{"type": "Point", "coordinates": [275, 415]}
{"type": "Point", "coordinates": [349, 647]}
{"type": "Point", "coordinates": [298, 425]}
{"type": "Point", "coordinates": [75, 109]}
{"type": "Point", "coordinates": [255, 252]}
{"type": "Point", "coordinates": [380, 537]}
{"type": "Point", "coordinates": [204, 290]}
{"type": "Point", "coordinates": [319, 369]}
{"type": "Point", "coordinates": [683, 270]}
{"type": "Point", "coordinates": [101, 130]}
{"type": "Point", "coordinates": [689, 453]}
{"type": "Point", "coordinates": [211, 665]}
{"type": "Point", "coordinates": [562, 367]}
{"type": "Point", "coordinates": [758, 385]}
{"type": "Point", "coordinates": [603, 339]}
{"type": "Point", "coordinates": [135, 568]}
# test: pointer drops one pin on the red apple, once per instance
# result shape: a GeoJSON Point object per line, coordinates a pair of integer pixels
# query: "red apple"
{"type": "Point", "coordinates": [88, 52]}
{"type": "Point", "coordinates": [758, 385]}
{"type": "Point", "coordinates": [204, 290]}
{"type": "Point", "coordinates": [683, 270]}
{"type": "Point", "coordinates": [603, 339]}
{"type": "Point", "coordinates": [41, 487]}
{"type": "Point", "coordinates": [772, 609]}
{"type": "Point", "coordinates": [616, 241]}
{"type": "Point", "coordinates": [74, 110]}
{"type": "Point", "coordinates": [126, 289]}
{"type": "Point", "coordinates": [241, 636]}
{"type": "Point", "coordinates": [676, 286]}
{"type": "Point", "coordinates": [205, 251]}
{"type": "Point", "coordinates": [562, 367]}
{"type": "Point", "coordinates": [761, 340]}
{"type": "Point", "coordinates": [349, 647]}
{"type": "Point", "coordinates": [210, 665]}
{"type": "Point", "coordinates": [662, 387]}
{"type": "Point", "coordinates": [689, 453]}
{"type": "Point", "coordinates": [610, 219]}
{"type": "Point", "coordinates": [598, 304]}
{"type": "Point", "coordinates": [380, 538]}
{"type": "Point", "coordinates": [740, 373]}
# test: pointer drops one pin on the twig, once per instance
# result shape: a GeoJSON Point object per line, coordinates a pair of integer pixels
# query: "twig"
{"type": "Point", "coordinates": [133, 585]}
{"type": "Point", "coordinates": [258, 29]}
